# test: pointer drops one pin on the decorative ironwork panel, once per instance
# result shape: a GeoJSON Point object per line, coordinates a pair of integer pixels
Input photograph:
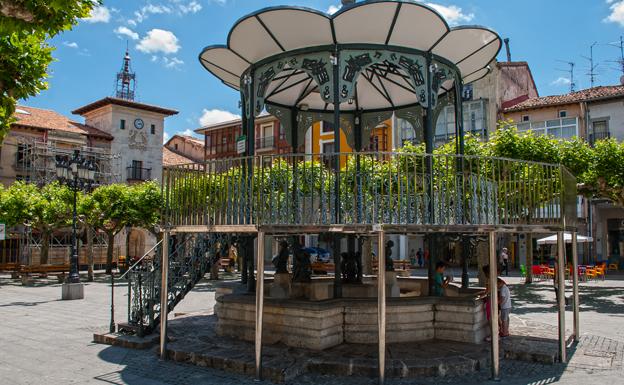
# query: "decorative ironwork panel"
{"type": "Point", "coordinates": [317, 65]}
{"type": "Point", "coordinates": [404, 70]}
{"type": "Point", "coordinates": [368, 123]}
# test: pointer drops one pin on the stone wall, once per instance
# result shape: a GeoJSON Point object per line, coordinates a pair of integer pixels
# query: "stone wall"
{"type": "Point", "coordinates": [319, 325]}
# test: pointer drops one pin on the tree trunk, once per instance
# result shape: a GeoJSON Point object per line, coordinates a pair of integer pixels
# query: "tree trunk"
{"type": "Point", "coordinates": [109, 252]}
{"type": "Point", "coordinates": [90, 235]}
{"type": "Point", "coordinates": [45, 247]}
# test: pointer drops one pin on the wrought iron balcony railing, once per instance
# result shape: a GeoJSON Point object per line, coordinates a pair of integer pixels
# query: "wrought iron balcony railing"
{"type": "Point", "coordinates": [138, 173]}
{"type": "Point", "coordinates": [265, 142]}
{"type": "Point", "coordinates": [369, 188]}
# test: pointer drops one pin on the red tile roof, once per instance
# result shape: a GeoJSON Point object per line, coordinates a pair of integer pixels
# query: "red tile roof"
{"type": "Point", "coordinates": [52, 121]}
{"type": "Point", "coordinates": [171, 158]}
{"type": "Point", "coordinates": [123, 102]}
{"type": "Point", "coordinates": [587, 95]}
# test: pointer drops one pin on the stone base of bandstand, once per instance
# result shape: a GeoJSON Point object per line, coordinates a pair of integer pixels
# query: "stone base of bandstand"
{"type": "Point", "coordinates": [71, 291]}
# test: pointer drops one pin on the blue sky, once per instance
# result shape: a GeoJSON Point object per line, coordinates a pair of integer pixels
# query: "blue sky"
{"type": "Point", "coordinates": [165, 37]}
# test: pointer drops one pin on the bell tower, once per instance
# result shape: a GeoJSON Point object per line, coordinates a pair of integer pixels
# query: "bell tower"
{"type": "Point", "coordinates": [126, 80]}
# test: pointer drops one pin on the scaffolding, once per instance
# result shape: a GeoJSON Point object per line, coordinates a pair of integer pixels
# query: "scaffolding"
{"type": "Point", "coordinates": [36, 161]}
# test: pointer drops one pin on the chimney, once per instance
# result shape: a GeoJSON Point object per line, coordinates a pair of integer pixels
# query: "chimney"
{"type": "Point", "coordinates": [506, 41]}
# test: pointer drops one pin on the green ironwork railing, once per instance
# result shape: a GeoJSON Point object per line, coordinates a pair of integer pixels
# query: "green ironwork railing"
{"type": "Point", "coordinates": [371, 188]}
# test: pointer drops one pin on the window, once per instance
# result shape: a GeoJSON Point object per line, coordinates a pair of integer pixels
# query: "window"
{"type": "Point", "coordinates": [224, 139]}
{"type": "Point", "coordinates": [175, 146]}
{"type": "Point", "coordinates": [600, 130]}
{"type": "Point", "coordinates": [327, 127]}
{"type": "Point", "coordinates": [525, 118]}
{"type": "Point", "coordinates": [122, 124]}
{"type": "Point", "coordinates": [408, 134]}
{"type": "Point", "coordinates": [153, 129]}
{"type": "Point", "coordinates": [559, 128]}
{"type": "Point", "coordinates": [327, 148]}
{"type": "Point", "coordinates": [563, 113]}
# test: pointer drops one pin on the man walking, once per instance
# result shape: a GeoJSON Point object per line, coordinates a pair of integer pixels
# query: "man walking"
{"type": "Point", "coordinates": [504, 261]}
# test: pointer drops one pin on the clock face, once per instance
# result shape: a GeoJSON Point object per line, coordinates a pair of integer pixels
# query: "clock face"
{"type": "Point", "coordinates": [138, 123]}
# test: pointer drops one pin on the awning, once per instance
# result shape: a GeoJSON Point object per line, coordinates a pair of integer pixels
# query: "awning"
{"type": "Point", "coordinates": [552, 240]}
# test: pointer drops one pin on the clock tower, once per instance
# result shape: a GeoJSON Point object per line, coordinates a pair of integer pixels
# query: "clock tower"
{"type": "Point", "coordinates": [137, 128]}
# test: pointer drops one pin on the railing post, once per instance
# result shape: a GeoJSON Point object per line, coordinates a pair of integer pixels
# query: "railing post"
{"type": "Point", "coordinates": [259, 303]}
{"type": "Point", "coordinates": [494, 307]}
{"type": "Point", "coordinates": [381, 304]}
{"type": "Point", "coordinates": [575, 290]}
{"type": "Point", "coordinates": [560, 274]}
{"type": "Point", "coordinates": [164, 291]}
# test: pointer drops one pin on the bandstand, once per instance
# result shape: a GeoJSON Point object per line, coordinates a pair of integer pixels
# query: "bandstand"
{"type": "Point", "coordinates": [366, 63]}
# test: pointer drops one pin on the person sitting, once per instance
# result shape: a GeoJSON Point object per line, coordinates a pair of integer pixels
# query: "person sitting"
{"type": "Point", "coordinates": [439, 282]}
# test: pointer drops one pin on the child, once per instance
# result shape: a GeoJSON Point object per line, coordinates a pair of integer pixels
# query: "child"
{"type": "Point", "coordinates": [504, 299]}
{"type": "Point", "coordinates": [439, 282]}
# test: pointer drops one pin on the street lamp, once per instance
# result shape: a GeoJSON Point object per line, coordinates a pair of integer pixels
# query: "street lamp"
{"type": "Point", "coordinates": [78, 173]}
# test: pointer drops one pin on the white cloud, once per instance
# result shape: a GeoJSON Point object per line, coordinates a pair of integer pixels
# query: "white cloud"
{"type": "Point", "coordinates": [191, 7]}
{"type": "Point", "coordinates": [216, 116]}
{"type": "Point", "coordinates": [99, 14]}
{"type": "Point", "coordinates": [159, 40]}
{"type": "Point", "coordinates": [150, 9]}
{"type": "Point", "coordinates": [452, 13]}
{"type": "Point", "coordinates": [70, 44]}
{"type": "Point", "coordinates": [173, 62]}
{"type": "Point", "coordinates": [188, 132]}
{"type": "Point", "coordinates": [333, 9]}
{"type": "Point", "coordinates": [125, 31]}
{"type": "Point", "coordinates": [561, 81]}
{"type": "Point", "coordinates": [166, 137]}
{"type": "Point", "coordinates": [617, 12]}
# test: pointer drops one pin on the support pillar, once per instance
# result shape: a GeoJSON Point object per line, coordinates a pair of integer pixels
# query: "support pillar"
{"type": "Point", "coordinates": [494, 307]}
{"type": "Point", "coordinates": [259, 303]}
{"type": "Point", "coordinates": [529, 258]}
{"type": "Point", "coordinates": [575, 290]}
{"type": "Point", "coordinates": [381, 304]}
{"type": "Point", "coordinates": [560, 274]}
{"type": "Point", "coordinates": [164, 291]}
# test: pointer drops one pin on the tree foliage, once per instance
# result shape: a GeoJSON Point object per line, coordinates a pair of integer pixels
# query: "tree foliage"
{"type": "Point", "coordinates": [25, 27]}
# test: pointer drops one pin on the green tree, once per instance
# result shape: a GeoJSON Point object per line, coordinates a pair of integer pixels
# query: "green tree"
{"type": "Point", "coordinates": [51, 209]}
{"type": "Point", "coordinates": [25, 26]}
{"type": "Point", "coordinates": [15, 207]}
{"type": "Point", "coordinates": [106, 209]}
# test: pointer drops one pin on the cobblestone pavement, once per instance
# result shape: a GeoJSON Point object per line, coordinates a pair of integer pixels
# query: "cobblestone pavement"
{"type": "Point", "coordinates": [48, 341]}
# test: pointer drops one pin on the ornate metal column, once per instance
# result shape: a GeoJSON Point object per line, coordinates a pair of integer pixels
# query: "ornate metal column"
{"type": "Point", "coordinates": [337, 216]}
{"type": "Point", "coordinates": [429, 170]}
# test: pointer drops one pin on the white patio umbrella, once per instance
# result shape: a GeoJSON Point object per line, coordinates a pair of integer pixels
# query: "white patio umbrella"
{"type": "Point", "coordinates": [552, 240]}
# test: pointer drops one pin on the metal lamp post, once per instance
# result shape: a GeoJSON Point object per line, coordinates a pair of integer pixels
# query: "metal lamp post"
{"type": "Point", "coordinates": [78, 173]}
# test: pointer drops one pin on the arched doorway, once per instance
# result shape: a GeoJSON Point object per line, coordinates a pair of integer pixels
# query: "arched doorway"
{"type": "Point", "coordinates": [136, 243]}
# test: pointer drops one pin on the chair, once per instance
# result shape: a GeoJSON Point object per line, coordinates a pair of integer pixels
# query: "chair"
{"type": "Point", "coordinates": [548, 272]}
{"type": "Point", "coordinates": [523, 271]}
{"type": "Point", "coordinates": [613, 266]}
{"type": "Point", "coordinates": [582, 271]}
{"type": "Point", "coordinates": [600, 271]}
{"type": "Point", "coordinates": [537, 271]}
{"type": "Point", "coordinates": [590, 273]}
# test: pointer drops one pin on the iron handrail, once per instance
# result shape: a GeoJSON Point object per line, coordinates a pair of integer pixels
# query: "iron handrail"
{"type": "Point", "coordinates": [141, 259]}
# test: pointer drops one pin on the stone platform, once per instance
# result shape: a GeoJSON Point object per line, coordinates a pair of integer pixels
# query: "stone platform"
{"type": "Point", "coordinates": [193, 339]}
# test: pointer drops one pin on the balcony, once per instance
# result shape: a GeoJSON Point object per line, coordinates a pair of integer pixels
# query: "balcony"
{"type": "Point", "coordinates": [599, 135]}
{"type": "Point", "coordinates": [265, 142]}
{"type": "Point", "coordinates": [139, 174]}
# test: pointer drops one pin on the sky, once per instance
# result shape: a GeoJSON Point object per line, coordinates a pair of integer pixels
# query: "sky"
{"type": "Point", "coordinates": [165, 37]}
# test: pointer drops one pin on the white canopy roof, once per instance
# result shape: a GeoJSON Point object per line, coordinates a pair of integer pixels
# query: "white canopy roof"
{"type": "Point", "coordinates": [567, 238]}
{"type": "Point", "coordinates": [398, 23]}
